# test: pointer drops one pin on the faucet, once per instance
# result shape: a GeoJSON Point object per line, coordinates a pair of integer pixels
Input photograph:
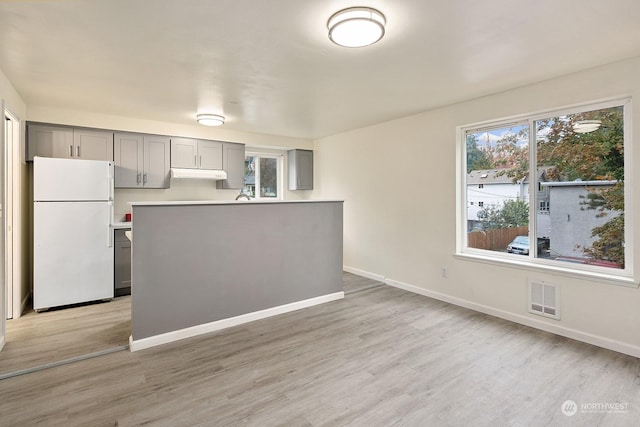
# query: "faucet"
{"type": "Point", "coordinates": [242, 194]}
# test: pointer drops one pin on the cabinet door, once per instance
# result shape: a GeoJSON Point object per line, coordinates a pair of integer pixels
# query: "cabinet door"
{"type": "Point", "coordinates": [122, 264]}
{"type": "Point", "coordinates": [93, 144]}
{"type": "Point", "coordinates": [184, 153]}
{"type": "Point", "coordinates": [209, 154]}
{"type": "Point", "coordinates": [233, 165]}
{"type": "Point", "coordinates": [49, 141]}
{"type": "Point", "coordinates": [305, 169]}
{"type": "Point", "coordinates": [156, 161]}
{"type": "Point", "coordinates": [300, 169]}
{"type": "Point", "coordinates": [128, 160]}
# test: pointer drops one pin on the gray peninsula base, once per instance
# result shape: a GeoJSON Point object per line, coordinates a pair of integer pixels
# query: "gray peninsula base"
{"type": "Point", "coordinates": [196, 263]}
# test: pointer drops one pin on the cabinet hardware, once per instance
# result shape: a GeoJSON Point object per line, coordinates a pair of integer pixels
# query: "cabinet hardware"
{"type": "Point", "coordinates": [71, 151]}
{"type": "Point", "coordinates": [200, 161]}
{"type": "Point", "coordinates": [144, 178]}
{"type": "Point", "coordinates": [78, 151]}
{"type": "Point", "coordinates": [138, 178]}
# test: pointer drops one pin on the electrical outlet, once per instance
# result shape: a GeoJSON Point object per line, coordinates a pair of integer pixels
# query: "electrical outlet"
{"type": "Point", "coordinates": [443, 272]}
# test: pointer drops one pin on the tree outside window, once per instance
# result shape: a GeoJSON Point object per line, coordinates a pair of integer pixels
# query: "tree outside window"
{"type": "Point", "coordinates": [577, 184]}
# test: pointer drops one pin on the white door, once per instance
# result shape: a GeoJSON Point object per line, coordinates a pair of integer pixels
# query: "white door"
{"type": "Point", "coordinates": [73, 253]}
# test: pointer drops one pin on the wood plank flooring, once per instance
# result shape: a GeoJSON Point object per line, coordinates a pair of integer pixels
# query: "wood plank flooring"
{"type": "Point", "coordinates": [380, 357]}
{"type": "Point", "coordinates": [41, 338]}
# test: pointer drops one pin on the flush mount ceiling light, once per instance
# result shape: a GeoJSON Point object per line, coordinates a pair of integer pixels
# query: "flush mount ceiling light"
{"type": "Point", "coordinates": [586, 126]}
{"type": "Point", "coordinates": [210, 119]}
{"type": "Point", "coordinates": [356, 26]}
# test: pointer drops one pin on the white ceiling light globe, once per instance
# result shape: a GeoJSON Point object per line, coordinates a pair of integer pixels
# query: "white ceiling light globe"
{"type": "Point", "coordinates": [356, 27]}
{"type": "Point", "coordinates": [210, 119]}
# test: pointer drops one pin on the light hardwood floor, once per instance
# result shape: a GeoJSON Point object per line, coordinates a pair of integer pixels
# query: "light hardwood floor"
{"type": "Point", "coordinates": [37, 339]}
{"type": "Point", "coordinates": [380, 357]}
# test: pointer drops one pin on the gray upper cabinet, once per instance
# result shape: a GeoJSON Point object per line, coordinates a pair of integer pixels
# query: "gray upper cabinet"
{"type": "Point", "coordinates": [141, 161]}
{"type": "Point", "coordinates": [68, 143]}
{"type": "Point", "coordinates": [300, 165]}
{"type": "Point", "coordinates": [233, 164]}
{"type": "Point", "coordinates": [209, 154]}
{"type": "Point", "coordinates": [93, 144]}
{"type": "Point", "coordinates": [49, 141]}
{"type": "Point", "coordinates": [157, 161]}
{"type": "Point", "coordinates": [184, 153]}
{"type": "Point", "coordinates": [196, 154]}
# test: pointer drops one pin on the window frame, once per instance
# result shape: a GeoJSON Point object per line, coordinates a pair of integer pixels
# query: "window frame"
{"type": "Point", "coordinates": [624, 276]}
{"type": "Point", "coordinates": [280, 172]}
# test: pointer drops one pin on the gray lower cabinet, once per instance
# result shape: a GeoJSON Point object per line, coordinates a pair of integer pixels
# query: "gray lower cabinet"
{"type": "Point", "coordinates": [141, 161]}
{"type": "Point", "coordinates": [191, 153]}
{"type": "Point", "coordinates": [233, 165]}
{"type": "Point", "coordinates": [300, 166]}
{"type": "Point", "coordinates": [122, 264]}
{"type": "Point", "coordinates": [68, 143]}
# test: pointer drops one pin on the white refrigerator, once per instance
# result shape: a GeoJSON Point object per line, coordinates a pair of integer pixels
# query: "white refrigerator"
{"type": "Point", "coordinates": [73, 236]}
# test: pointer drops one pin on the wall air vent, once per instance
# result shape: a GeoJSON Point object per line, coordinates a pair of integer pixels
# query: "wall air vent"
{"type": "Point", "coordinates": [544, 299]}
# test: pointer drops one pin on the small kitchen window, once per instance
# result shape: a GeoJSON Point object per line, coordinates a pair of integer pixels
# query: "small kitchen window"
{"type": "Point", "coordinates": [263, 175]}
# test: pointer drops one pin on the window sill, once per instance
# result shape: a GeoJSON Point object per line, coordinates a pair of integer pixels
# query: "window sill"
{"type": "Point", "coordinates": [542, 268]}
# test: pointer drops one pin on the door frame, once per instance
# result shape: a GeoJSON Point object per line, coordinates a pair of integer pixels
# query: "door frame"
{"type": "Point", "coordinates": [13, 218]}
{"type": "Point", "coordinates": [3, 292]}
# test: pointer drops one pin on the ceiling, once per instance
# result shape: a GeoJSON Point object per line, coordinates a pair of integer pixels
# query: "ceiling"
{"type": "Point", "coordinates": [269, 67]}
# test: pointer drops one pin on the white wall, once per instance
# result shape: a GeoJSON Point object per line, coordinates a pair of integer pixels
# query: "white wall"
{"type": "Point", "coordinates": [182, 189]}
{"type": "Point", "coordinates": [398, 181]}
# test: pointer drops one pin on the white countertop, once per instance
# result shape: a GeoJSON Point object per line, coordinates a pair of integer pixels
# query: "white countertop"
{"type": "Point", "coordinates": [224, 202]}
{"type": "Point", "coordinates": [121, 225]}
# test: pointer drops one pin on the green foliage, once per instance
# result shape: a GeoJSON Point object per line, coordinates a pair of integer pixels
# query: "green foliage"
{"type": "Point", "coordinates": [597, 155]}
{"type": "Point", "coordinates": [610, 245]}
{"type": "Point", "coordinates": [513, 213]}
{"type": "Point", "coordinates": [476, 158]}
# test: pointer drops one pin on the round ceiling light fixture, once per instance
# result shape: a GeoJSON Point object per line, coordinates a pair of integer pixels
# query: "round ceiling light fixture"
{"type": "Point", "coordinates": [356, 26]}
{"type": "Point", "coordinates": [210, 119]}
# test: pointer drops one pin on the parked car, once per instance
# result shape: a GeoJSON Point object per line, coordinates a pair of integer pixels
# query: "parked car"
{"type": "Point", "coordinates": [520, 245]}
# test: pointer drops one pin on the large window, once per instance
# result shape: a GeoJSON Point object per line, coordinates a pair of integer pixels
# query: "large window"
{"type": "Point", "coordinates": [263, 176]}
{"type": "Point", "coordinates": [549, 189]}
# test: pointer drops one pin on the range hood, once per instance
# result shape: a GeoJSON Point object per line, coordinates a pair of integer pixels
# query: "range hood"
{"type": "Point", "coordinates": [211, 174]}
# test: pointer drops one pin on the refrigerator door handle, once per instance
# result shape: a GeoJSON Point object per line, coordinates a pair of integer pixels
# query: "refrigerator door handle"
{"type": "Point", "coordinates": [111, 182]}
{"type": "Point", "coordinates": [110, 228]}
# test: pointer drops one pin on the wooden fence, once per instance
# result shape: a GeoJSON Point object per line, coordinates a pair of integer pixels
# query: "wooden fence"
{"type": "Point", "coordinates": [497, 239]}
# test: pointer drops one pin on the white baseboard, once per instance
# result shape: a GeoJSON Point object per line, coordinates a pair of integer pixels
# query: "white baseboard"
{"type": "Point", "coordinates": [588, 338]}
{"type": "Point", "coordinates": [368, 275]}
{"type": "Point", "coordinates": [141, 344]}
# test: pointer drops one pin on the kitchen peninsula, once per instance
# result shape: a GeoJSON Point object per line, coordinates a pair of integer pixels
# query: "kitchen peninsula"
{"type": "Point", "coordinates": [202, 266]}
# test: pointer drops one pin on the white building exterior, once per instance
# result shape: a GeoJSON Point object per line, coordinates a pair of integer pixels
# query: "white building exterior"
{"type": "Point", "coordinates": [488, 187]}
{"type": "Point", "coordinates": [571, 223]}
